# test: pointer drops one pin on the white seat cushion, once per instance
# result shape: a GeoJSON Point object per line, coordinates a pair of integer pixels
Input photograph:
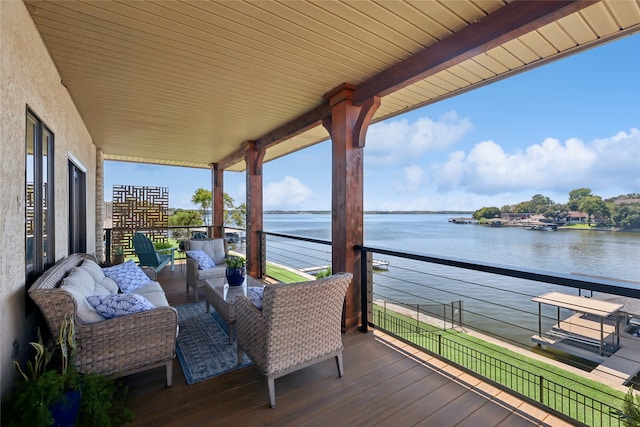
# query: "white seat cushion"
{"type": "Point", "coordinates": [154, 293]}
{"type": "Point", "coordinates": [80, 285]}
{"type": "Point", "coordinates": [214, 248]}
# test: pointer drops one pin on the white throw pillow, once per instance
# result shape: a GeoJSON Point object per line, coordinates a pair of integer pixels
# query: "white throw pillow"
{"type": "Point", "coordinates": [80, 284]}
{"type": "Point", "coordinates": [128, 276]}
{"type": "Point", "coordinates": [109, 284]}
{"type": "Point", "coordinates": [110, 306]}
{"type": "Point", "coordinates": [204, 262]}
{"type": "Point", "coordinates": [93, 269]}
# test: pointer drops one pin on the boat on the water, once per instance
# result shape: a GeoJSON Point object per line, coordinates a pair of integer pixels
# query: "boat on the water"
{"type": "Point", "coordinates": [544, 227]}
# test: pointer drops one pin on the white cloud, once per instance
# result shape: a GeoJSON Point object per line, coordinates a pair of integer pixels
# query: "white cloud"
{"type": "Point", "coordinates": [289, 193]}
{"type": "Point", "coordinates": [488, 169]}
{"type": "Point", "coordinates": [618, 160]}
{"type": "Point", "coordinates": [413, 178]}
{"type": "Point", "coordinates": [397, 141]}
{"type": "Point", "coordinates": [489, 175]}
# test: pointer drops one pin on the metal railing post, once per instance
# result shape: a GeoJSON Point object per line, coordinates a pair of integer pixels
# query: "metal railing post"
{"type": "Point", "coordinates": [444, 316]}
{"type": "Point", "coordinates": [453, 310]}
{"type": "Point", "coordinates": [107, 242]}
{"type": "Point", "coordinates": [262, 269]}
{"type": "Point", "coordinates": [366, 285]}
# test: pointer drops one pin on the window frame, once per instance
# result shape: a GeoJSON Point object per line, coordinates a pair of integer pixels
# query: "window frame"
{"type": "Point", "coordinates": [40, 173]}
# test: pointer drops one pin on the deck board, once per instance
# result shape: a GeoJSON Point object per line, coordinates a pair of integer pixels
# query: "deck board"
{"type": "Point", "coordinates": [386, 383]}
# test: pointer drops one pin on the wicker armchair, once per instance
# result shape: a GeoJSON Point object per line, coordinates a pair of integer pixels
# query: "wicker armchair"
{"type": "Point", "coordinates": [299, 325]}
{"type": "Point", "coordinates": [118, 346]}
{"type": "Point", "coordinates": [216, 248]}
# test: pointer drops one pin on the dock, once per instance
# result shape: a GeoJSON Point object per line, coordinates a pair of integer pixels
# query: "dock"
{"type": "Point", "coordinates": [593, 333]}
{"type": "Point", "coordinates": [377, 265]}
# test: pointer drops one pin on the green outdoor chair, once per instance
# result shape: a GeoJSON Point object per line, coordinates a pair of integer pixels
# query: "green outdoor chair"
{"type": "Point", "coordinates": [149, 256]}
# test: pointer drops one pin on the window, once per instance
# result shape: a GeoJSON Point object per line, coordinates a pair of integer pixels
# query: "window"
{"type": "Point", "coordinates": [77, 208]}
{"type": "Point", "coordinates": [39, 196]}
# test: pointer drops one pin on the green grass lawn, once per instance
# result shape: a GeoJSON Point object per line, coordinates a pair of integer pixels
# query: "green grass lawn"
{"type": "Point", "coordinates": [511, 369]}
{"type": "Point", "coordinates": [283, 275]}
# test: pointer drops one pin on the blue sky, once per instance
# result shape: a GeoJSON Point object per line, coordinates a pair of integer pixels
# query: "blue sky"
{"type": "Point", "coordinates": [570, 124]}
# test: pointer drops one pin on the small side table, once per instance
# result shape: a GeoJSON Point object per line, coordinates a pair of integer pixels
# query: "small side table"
{"type": "Point", "coordinates": [222, 296]}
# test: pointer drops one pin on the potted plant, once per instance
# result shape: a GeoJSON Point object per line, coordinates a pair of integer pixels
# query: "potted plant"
{"type": "Point", "coordinates": [236, 270]}
{"type": "Point", "coordinates": [118, 255]}
{"type": "Point", "coordinates": [45, 395]}
{"type": "Point", "coordinates": [51, 392]}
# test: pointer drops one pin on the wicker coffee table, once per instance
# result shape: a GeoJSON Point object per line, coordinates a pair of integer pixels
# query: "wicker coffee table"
{"type": "Point", "coordinates": [221, 296]}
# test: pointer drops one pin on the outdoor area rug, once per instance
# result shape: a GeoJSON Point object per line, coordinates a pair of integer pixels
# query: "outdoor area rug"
{"type": "Point", "coordinates": [203, 344]}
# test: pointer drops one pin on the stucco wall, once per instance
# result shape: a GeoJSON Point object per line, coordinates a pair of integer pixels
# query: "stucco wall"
{"type": "Point", "coordinates": [28, 77]}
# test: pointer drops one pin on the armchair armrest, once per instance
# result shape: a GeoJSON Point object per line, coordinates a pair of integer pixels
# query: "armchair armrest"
{"type": "Point", "coordinates": [126, 343]}
{"type": "Point", "coordinates": [250, 330]}
{"type": "Point", "coordinates": [150, 272]}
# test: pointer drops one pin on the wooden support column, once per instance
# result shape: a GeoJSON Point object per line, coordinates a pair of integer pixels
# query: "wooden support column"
{"type": "Point", "coordinates": [347, 127]}
{"type": "Point", "coordinates": [254, 157]}
{"type": "Point", "coordinates": [217, 207]}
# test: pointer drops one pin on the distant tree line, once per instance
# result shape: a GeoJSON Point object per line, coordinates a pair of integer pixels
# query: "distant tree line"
{"type": "Point", "coordinates": [234, 215]}
{"type": "Point", "coordinates": [621, 211]}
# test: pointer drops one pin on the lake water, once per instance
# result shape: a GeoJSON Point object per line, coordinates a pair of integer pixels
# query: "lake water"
{"type": "Point", "coordinates": [606, 254]}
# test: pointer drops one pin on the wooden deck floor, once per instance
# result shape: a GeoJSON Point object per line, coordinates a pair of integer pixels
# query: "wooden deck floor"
{"type": "Point", "coordinates": [386, 383]}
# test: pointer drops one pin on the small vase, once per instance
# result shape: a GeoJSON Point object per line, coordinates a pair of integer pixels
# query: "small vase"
{"type": "Point", "coordinates": [235, 276]}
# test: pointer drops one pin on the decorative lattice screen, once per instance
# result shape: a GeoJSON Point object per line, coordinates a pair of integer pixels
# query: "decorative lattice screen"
{"type": "Point", "coordinates": [143, 209]}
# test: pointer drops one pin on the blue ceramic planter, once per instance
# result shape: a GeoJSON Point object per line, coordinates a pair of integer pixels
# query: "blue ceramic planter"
{"type": "Point", "coordinates": [65, 411]}
{"type": "Point", "coordinates": [235, 276]}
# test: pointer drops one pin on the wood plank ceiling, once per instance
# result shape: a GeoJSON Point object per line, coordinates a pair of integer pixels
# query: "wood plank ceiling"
{"type": "Point", "coordinates": [186, 83]}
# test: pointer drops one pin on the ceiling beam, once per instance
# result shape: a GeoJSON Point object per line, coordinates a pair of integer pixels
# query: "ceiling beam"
{"type": "Point", "coordinates": [507, 23]}
{"type": "Point", "coordinates": [513, 20]}
{"type": "Point", "coordinates": [295, 127]}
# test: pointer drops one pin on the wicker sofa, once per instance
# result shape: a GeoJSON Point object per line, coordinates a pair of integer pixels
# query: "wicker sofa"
{"type": "Point", "coordinates": [216, 249]}
{"type": "Point", "coordinates": [117, 346]}
{"type": "Point", "coordinates": [299, 325]}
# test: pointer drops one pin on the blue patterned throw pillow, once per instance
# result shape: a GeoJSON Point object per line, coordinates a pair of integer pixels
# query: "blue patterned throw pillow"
{"type": "Point", "coordinates": [255, 295]}
{"type": "Point", "coordinates": [204, 262]}
{"type": "Point", "coordinates": [128, 276]}
{"type": "Point", "coordinates": [110, 306]}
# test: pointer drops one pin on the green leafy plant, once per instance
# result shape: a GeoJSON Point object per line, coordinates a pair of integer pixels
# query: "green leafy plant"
{"type": "Point", "coordinates": [103, 402]}
{"type": "Point", "coordinates": [235, 262]}
{"type": "Point", "coordinates": [44, 380]}
{"type": "Point", "coordinates": [323, 273]}
{"type": "Point", "coordinates": [118, 251]}
{"type": "Point", "coordinates": [630, 414]}
{"type": "Point", "coordinates": [162, 245]}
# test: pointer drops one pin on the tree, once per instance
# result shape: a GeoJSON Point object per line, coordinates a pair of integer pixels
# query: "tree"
{"type": "Point", "coordinates": [186, 218]}
{"type": "Point", "coordinates": [540, 203]}
{"type": "Point", "coordinates": [487, 213]}
{"type": "Point", "coordinates": [524, 207]}
{"type": "Point", "coordinates": [232, 213]}
{"type": "Point", "coordinates": [553, 210]}
{"type": "Point", "coordinates": [508, 209]}
{"type": "Point", "coordinates": [576, 196]}
{"type": "Point", "coordinates": [593, 205]}
{"type": "Point", "coordinates": [202, 198]}
{"type": "Point", "coordinates": [626, 216]}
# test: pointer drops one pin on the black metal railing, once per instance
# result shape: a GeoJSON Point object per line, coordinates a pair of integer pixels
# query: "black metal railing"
{"type": "Point", "coordinates": [417, 290]}
{"type": "Point", "coordinates": [174, 232]}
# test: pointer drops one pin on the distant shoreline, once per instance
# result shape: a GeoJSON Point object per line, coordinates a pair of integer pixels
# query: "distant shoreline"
{"type": "Point", "coordinates": [373, 212]}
